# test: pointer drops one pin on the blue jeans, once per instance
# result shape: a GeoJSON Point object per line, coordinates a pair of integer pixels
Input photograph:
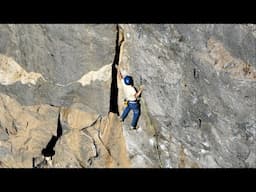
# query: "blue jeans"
{"type": "Point", "coordinates": [136, 113]}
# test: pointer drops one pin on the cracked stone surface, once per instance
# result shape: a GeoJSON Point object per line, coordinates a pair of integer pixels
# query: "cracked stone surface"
{"type": "Point", "coordinates": [62, 55]}
{"type": "Point", "coordinates": [200, 87]}
{"type": "Point", "coordinates": [198, 106]}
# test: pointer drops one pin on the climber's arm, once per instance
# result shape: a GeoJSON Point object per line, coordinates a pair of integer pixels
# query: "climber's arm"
{"type": "Point", "coordinates": [139, 92]}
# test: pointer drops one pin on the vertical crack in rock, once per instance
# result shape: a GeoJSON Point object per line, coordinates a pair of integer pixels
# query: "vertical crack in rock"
{"type": "Point", "coordinates": [196, 74]}
{"type": "Point", "coordinates": [48, 151]}
{"type": "Point", "coordinates": [151, 124]}
{"type": "Point", "coordinates": [199, 123]}
{"type": "Point", "coordinates": [85, 131]}
{"type": "Point", "coordinates": [114, 89]}
{"type": "Point", "coordinates": [157, 146]}
{"type": "Point", "coordinates": [90, 160]}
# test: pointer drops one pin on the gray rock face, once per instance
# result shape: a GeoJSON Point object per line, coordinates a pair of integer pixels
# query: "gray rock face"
{"type": "Point", "coordinates": [62, 54]}
{"type": "Point", "coordinates": [198, 106]}
{"type": "Point", "coordinates": [201, 87]}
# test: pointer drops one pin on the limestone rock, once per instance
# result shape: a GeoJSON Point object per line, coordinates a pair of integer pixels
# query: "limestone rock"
{"type": "Point", "coordinates": [26, 130]}
{"type": "Point", "coordinates": [200, 88]}
{"type": "Point", "coordinates": [58, 87]}
{"type": "Point", "coordinates": [46, 63]}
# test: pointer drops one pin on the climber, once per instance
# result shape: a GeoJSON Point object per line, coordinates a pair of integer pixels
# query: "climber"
{"type": "Point", "coordinates": [132, 97]}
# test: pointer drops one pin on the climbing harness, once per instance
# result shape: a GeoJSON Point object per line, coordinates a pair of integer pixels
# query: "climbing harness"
{"type": "Point", "coordinates": [125, 102]}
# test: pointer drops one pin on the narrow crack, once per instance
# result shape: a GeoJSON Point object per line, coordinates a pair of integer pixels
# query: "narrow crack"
{"type": "Point", "coordinates": [156, 132]}
{"type": "Point", "coordinates": [157, 147]}
{"type": "Point", "coordinates": [86, 132]}
{"type": "Point", "coordinates": [91, 159]}
{"type": "Point", "coordinates": [92, 124]}
{"type": "Point", "coordinates": [199, 123]}
{"type": "Point", "coordinates": [48, 151]}
{"type": "Point", "coordinates": [113, 106]}
{"type": "Point", "coordinates": [196, 74]}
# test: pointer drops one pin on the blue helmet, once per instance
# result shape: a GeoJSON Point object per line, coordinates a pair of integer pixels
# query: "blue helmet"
{"type": "Point", "coordinates": [128, 80]}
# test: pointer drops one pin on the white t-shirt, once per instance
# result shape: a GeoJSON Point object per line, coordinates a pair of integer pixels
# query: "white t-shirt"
{"type": "Point", "coordinates": [129, 91]}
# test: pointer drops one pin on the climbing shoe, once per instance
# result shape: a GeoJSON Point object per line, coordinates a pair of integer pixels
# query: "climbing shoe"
{"type": "Point", "coordinates": [120, 119]}
{"type": "Point", "coordinates": [133, 128]}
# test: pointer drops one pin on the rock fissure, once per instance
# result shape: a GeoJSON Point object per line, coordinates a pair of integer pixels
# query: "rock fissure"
{"type": "Point", "coordinates": [113, 106]}
{"type": "Point", "coordinates": [48, 152]}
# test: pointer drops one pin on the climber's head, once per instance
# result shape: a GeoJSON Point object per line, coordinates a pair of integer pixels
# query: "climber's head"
{"type": "Point", "coordinates": [128, 80]}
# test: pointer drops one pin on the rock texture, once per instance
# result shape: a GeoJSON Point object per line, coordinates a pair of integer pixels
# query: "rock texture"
{"type": "Point", "coordinates": [61, 55]}
{"type": "Point", "coordinates": [200, 89]}
{"type": "Point", "coordinates": [58, 89]}
{"type": "Point", "coordinates": [25, 130]}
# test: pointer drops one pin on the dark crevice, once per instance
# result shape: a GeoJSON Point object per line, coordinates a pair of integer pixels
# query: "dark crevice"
{"type": "Point", "coordinates": [93, 123]}
{"type": "Point", "coordinates": [6, 130]}
{"type": "Point", "coordinates": [33, 162]}
{"type": "Point", "coordinates": [196, 74]}
{"type": "Point", "coordinates": [85, 131]}
{"type": "Point", "coordinates": [91, 159]}
{"type": "Point", "coordinates": [157, 147]}
{"type": "Point", "coordinates": [48, 151]}
{"type": "Point", "coordinates": [199, 123]}
{"type": "Point", "coordinates": [113, 107]}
